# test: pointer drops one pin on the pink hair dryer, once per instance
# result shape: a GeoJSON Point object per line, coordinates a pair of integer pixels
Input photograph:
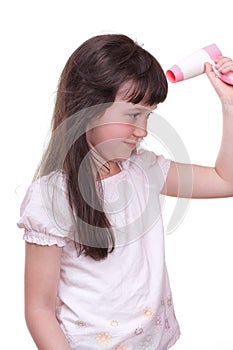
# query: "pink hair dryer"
{"type": "Point", "coordinates": [193, 65]}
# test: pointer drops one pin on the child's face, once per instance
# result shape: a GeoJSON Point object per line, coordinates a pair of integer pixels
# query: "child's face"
{"type": "Point", "coordinates": [116, 133]}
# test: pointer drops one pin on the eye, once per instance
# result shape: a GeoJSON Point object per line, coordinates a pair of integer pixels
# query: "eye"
{"type": "Point", "coordinates": [134, 115]}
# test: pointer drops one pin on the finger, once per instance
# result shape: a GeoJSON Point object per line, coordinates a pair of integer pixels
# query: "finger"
{"type": "Point", "coordinates": [222, 62]}
{"type": "Point", "coordinates": [226, 67]}
{"type": "Point", "coordinates": [222, 59]}
{"type": "Point", "coordinates": [218, 58]}
{"type": "Point", "coordinates": [214, 79]}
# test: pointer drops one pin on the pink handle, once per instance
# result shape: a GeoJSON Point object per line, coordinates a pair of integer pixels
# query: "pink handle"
{"type": "Point", "coordinates": [227, 77]}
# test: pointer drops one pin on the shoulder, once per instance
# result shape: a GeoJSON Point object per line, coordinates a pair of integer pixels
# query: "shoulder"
{"type": "Point", "coordinates": [42, 192]}
{"type": "Point", "coordinates": [45, 207]}
{"type": "Point", "coordinates": [149, 167]}
{"type": "Point", "coordinates": [148, 160]}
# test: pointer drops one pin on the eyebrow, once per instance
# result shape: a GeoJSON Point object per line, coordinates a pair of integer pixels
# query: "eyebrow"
{"type": "Point", "coordinates": [141, 109]}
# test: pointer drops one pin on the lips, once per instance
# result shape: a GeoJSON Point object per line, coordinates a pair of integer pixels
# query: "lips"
{"type": "Point", "coordinates": [131, 144]}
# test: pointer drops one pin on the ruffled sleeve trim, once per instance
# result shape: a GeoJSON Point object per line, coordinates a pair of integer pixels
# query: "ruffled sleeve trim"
{"type": "Point", "coordinates": [42, 239]}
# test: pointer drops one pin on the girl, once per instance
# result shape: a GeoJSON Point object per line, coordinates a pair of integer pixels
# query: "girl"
{"type": "Point", "coordinates": [95, 274]}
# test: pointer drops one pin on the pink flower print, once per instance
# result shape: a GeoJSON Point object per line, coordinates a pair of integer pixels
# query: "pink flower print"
{"type": "Point", "coordinates": [169, 300]}
{"type": "Point", "coordinates": [158, 321]}
{"type": "Point", "coordinates": [103, 338]}
{"type": "Point", "coordinates": [148, 312]}
{"type": "Point", "coordinates": [114, 323]}
{"type": "Point", "coordinates": [167, 325]}
{"type": "Point", "coordinates": [120, 346]}
{"type": "Point", "coordinates": [162, 301]}
{"type": "Point", "coordinates": [138, 331]}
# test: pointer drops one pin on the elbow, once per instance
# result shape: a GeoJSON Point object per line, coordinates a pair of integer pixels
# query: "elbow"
{"type": "Point", "coordinates": [35, 315]}
{"type": "Point", "coordinates": [225, 183]}
{"type": "Point", "coordinates": [28, 316]}
{"type": "Point", "coordinates": [31, 317]}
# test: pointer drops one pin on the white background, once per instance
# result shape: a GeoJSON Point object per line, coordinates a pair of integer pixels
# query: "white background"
{"type": "Point", "coordinates": [37, 37]}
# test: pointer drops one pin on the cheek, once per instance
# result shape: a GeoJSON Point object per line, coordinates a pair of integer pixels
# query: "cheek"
{"type": "Point", "coordinates": [109, 132]}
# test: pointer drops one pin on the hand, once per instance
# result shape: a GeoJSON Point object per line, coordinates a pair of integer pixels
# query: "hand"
{"type": "Point", "coordinates": [225, 91]}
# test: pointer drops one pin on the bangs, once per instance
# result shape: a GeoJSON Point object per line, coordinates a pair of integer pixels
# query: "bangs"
{"type": "Point", "coordinates": [144, 77]}
{"type": "Point", "coordinates": [149, 90]}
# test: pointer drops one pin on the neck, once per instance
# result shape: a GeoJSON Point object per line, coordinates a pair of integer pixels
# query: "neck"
{"type": "Point", "coordinates": [105, 168]}
{"type": "Point", "coordinates": [109, 169]}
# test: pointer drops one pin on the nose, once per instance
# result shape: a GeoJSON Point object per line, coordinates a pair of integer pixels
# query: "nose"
{"type": "Point", "coordinates": [140, 130]}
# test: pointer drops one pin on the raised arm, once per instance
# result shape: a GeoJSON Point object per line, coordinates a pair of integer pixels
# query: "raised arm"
{"type": "Point", "coordinates": [42, 270]}
{"type": "Point", "coordinates": [196, 181]}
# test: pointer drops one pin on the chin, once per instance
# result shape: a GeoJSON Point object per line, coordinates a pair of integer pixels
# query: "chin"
{"type": "Point", "coordinates": [125, 156]}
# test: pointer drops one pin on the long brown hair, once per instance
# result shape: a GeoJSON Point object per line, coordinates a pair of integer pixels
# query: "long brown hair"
{"type": "Point", "coordinates": [88, 85]}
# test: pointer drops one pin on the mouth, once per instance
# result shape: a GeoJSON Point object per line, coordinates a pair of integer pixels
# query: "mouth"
{"type": "Point", "coordinates": [131, 144]}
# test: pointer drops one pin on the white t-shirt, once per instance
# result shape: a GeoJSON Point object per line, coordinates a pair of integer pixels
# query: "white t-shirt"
{"type": "Point", "coordinates": [123, 302]}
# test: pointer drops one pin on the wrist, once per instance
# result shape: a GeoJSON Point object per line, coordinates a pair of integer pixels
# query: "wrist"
{"type": "Point", "coordinates": [227, 107]}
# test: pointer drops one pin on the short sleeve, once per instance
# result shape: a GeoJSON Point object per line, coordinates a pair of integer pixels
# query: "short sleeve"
{"type": "Point", "coordinates": [164, 164]}
{"type": "Point", "coordinates": [45, 215]}
{"type": "Point", "coordinates": [155, 167]}
{"type": "Point", "coordinates": [158, 167]}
